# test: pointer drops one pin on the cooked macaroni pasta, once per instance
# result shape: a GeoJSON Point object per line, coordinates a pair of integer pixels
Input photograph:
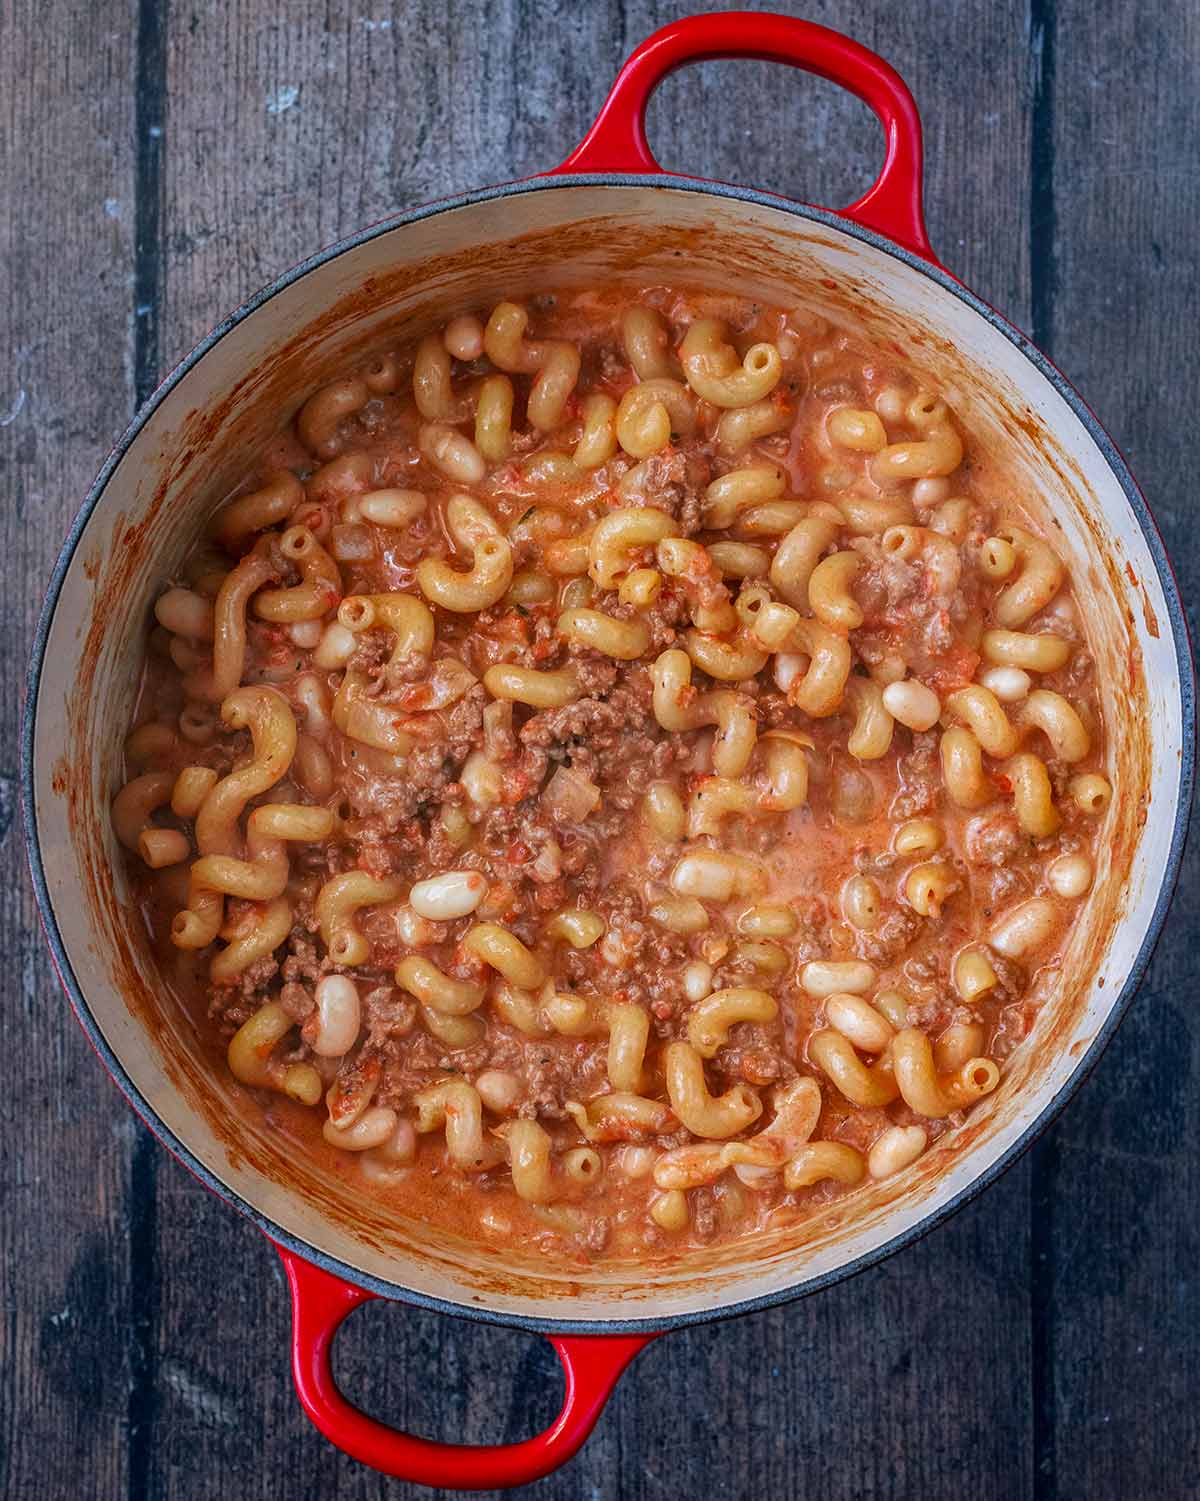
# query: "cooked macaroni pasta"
{"type": "Point", "coordinates": [621, 773]}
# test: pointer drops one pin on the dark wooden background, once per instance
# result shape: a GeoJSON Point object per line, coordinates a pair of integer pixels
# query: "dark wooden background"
{"type": "Point", "coordinates": [161, 162]}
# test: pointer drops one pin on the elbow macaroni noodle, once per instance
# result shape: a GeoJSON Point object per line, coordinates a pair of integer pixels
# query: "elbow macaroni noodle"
{"type": "Point", "coordinates": [566, 764]}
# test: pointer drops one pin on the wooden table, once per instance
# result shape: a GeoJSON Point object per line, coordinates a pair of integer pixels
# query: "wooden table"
{"type": "Point", "coordinates": [161, 163]}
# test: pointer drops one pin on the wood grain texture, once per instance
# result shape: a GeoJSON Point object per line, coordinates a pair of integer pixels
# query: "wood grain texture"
{"type": "Point", "coordinates": [1117, 1183]}
{"type": "Point", "coordinates": [1043, 1343]}
{"type": "Point", "coordinates": [66, 391]}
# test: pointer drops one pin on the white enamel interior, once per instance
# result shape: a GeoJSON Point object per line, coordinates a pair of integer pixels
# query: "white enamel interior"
{"type": "Point", "coordinates": [469, 256]}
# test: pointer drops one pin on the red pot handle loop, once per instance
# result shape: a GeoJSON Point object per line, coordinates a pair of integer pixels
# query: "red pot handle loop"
{"type": "Point", "coordinates": [892, 205]}
{"type": "Point", "coordinates": [320, 1301]}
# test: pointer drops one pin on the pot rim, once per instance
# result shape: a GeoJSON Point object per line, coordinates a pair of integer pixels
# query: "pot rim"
{"type": "Point", "coordinates": [1049, 1111]}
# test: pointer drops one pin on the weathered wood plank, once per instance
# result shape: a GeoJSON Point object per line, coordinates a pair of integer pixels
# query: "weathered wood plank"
{"type": "Point", "coordinates": [66, 320]}
{"type": "Point", "coordinates": [1116, 1186]}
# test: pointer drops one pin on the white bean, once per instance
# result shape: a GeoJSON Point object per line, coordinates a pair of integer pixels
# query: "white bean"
{"type": "Point", "coordinates": [1009, 684]}
{"type": "Point", "coordinates": [716, 877]}
{"type": "Point", "coordinates": [1070, 875]}
{"type": "Point", "coordinates": [890, 404]}
{"type": "Point", "coordinates": [451, 453]}
{"type": "Point", "coordinates": [339, 1014]}
{"type": "Point", "coordinates": [185, 613]}
{"type": "Point", "coordinates": [391, 507]}
{"type": "Point", "coordinates": [499, 1090]}
{"type": "Point", "coordinates": [697, 980]}
{"type": "Point", "coordinates": [825, 977]}
{"type": "Point", "coordinates": [912, 703]}
{"type": "Point", "coordinates": [453, 894]}
{"type": "Point", "coordinates": [463, 337]}
{"type": "Point", "coordinates": [1025, 928]}
{"type": "Point", "coordinates": [335, 647]}
{"type": "Point", "coordinates": [931, 492]}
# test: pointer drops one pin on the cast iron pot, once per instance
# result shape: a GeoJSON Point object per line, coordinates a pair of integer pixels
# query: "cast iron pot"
{"type": "Point", "coordinates": [608, 213]}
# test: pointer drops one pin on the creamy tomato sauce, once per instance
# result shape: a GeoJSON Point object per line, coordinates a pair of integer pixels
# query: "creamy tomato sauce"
{"type": "Point", "coordinates": [621, 771]}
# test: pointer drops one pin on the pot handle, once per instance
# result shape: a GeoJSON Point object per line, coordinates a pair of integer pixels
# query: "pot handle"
{"type": "Point", "coordinates": [892, 206]}
{"type": "Point", "coordinates": [320, 1301]}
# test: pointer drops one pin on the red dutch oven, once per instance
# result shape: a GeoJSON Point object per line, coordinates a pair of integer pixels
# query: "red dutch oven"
{"type": "Point", "coordinates": [609, 213]}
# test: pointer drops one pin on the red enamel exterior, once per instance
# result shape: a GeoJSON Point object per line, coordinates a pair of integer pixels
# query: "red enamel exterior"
{"type": "Point", "coordinates": [892, 206]}
{"type": "Point", "coordinates": [616, 144]}
{"type": "Point", "coordinates": [320, 1301]}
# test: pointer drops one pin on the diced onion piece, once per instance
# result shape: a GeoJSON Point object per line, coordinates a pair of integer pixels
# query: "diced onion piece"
{"type": "Point", "coordinates": [548, 865]}
{"type": "Point", "coordinates": [482, 779]}
{"type": "Point", "coordinates": [498, 741]}
{"type": "Point", "coordinates": [449, 681]}
{"type": "Point", "coordinates": [570, 796]}
{"type": "Point", "coordinates": [352, 544]}
{"type": "Point", "coordinates": [306, 634]}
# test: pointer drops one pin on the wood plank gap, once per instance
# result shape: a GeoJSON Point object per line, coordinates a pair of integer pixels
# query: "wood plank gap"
{"type": "Point", "coordinates": [1043, 1192]}
{"type": "Point", "coordinates": [1045, 1169]}
{"type": "Point", "coordinates": [1043, 266]}
{"type": "Point", "coordinates": [143, 1312]}
{"type": "Point", "coordinates": [148, 290]}
{"type": "Point", "coordinates": [149, 270]}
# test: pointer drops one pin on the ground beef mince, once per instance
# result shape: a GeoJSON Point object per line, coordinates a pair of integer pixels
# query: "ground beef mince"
{"type": "Point", "coordinates": [296, 1001]}
{"type": "Point", "coordinates": [920, 779]}
{"type": "Point", "coordinates": [521, 935]}
{"type": "Point", "coordinates": [675, 483]}
{"type": "Point", "coordinates": [370, 653]}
